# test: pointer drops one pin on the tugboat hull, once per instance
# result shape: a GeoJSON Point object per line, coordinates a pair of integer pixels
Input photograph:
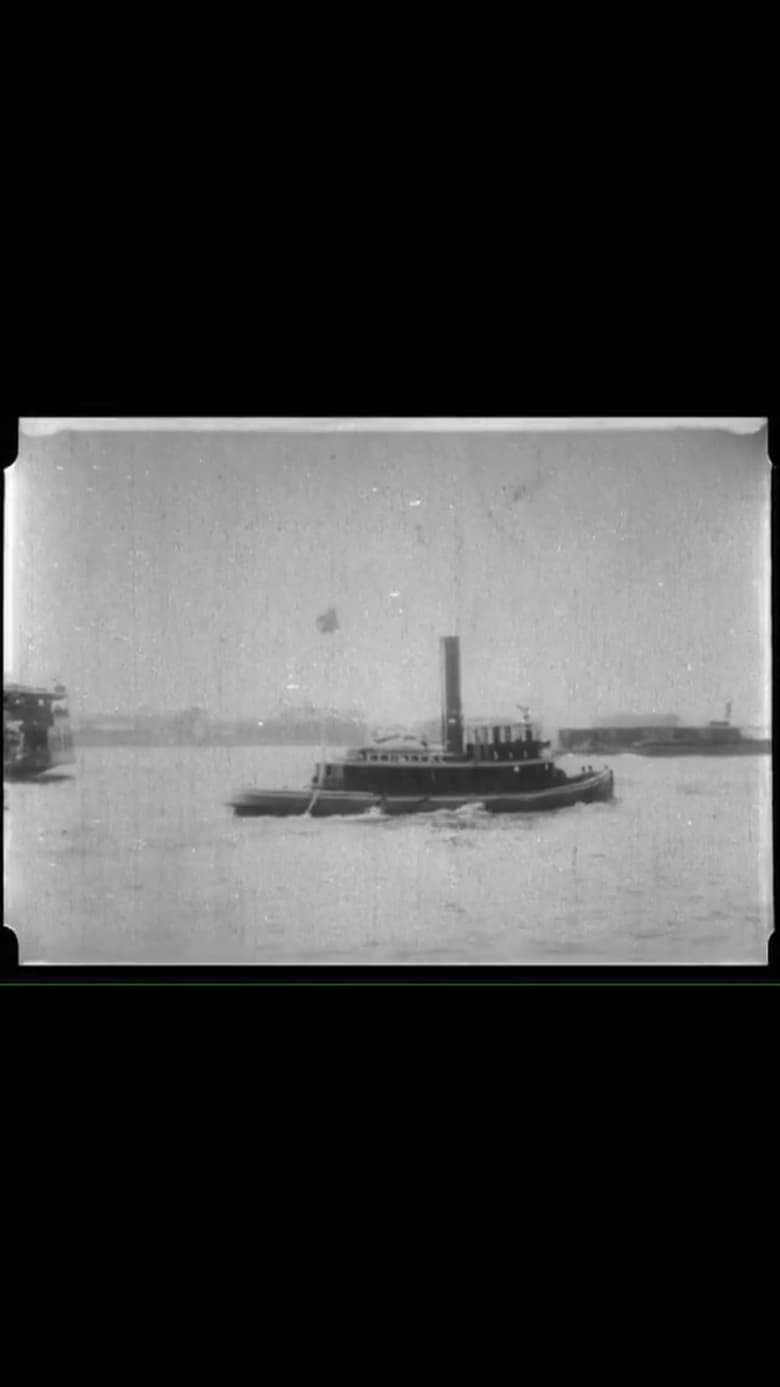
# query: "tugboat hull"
{"type": "Point", "coordinates": [585, 789]}
{"type": "Point", "coordinates": [283, 803]}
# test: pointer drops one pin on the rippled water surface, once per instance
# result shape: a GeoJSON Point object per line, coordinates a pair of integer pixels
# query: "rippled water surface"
{"type": "Point", "coordinates": [136, 858]}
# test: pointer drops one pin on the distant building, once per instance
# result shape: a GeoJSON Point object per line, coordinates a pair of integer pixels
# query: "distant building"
{"type": "Point", "coordinates": [194, 727]}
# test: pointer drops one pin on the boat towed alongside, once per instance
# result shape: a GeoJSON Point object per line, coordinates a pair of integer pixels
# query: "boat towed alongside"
{"type": "Point", "coordinates": [504, 769]}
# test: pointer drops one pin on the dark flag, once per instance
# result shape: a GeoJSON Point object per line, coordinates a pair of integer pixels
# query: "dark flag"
{"type": "Point", "coordinates": [328, 621]}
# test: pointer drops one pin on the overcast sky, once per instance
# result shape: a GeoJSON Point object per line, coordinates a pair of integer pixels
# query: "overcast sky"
{"type": "Point", "coordinates": [586, 572]}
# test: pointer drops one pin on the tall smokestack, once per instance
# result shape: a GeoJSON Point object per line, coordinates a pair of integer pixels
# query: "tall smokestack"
{"type": "Point", "coordinates": [452, 710]}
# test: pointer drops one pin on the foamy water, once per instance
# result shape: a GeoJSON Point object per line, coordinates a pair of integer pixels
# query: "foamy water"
{"type": "Point", "coordinates": [136, 858]}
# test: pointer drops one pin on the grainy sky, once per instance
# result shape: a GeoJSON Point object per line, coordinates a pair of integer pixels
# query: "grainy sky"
{"type": "Point", "coordinates": [586, 572]}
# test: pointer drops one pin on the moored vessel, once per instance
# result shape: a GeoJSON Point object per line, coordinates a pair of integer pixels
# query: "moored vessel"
{"type": "Point", "coordinates": [502, 768]}
{"type": "Point", "coordinates": [718, 738]}
{"type": "Point", "coordinates": [37, 734]}
{"type": "Point", "coordinates": [742, 746]}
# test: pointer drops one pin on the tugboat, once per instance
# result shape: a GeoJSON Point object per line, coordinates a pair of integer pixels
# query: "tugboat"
{"type": "Point", "coordinates": [504, 769]}
{"type": "Point", "coordinates": [37, 735]}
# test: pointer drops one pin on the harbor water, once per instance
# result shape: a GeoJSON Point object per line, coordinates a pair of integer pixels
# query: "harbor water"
{"type": "Point", "coordinates": [136, 858]}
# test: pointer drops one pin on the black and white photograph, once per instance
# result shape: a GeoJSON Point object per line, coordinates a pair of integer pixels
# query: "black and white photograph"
{"type": "Point", "coordinates": [352, 691]}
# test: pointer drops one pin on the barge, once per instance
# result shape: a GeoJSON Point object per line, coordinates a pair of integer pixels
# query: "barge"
{"type": "Point", "coordinates": [719, 738]}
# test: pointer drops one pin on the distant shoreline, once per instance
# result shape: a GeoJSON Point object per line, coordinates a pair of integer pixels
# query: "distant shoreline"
{"type": "Point", "coordinates": [96, 740]}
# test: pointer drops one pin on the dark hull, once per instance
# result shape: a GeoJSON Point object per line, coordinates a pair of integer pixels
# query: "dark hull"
{"type": "Point", "coordinates": [32, 767]}
{"type": "Point", "coordinates": [750, 747]}
{"type": "Point", "coordinates": [585, 789]}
